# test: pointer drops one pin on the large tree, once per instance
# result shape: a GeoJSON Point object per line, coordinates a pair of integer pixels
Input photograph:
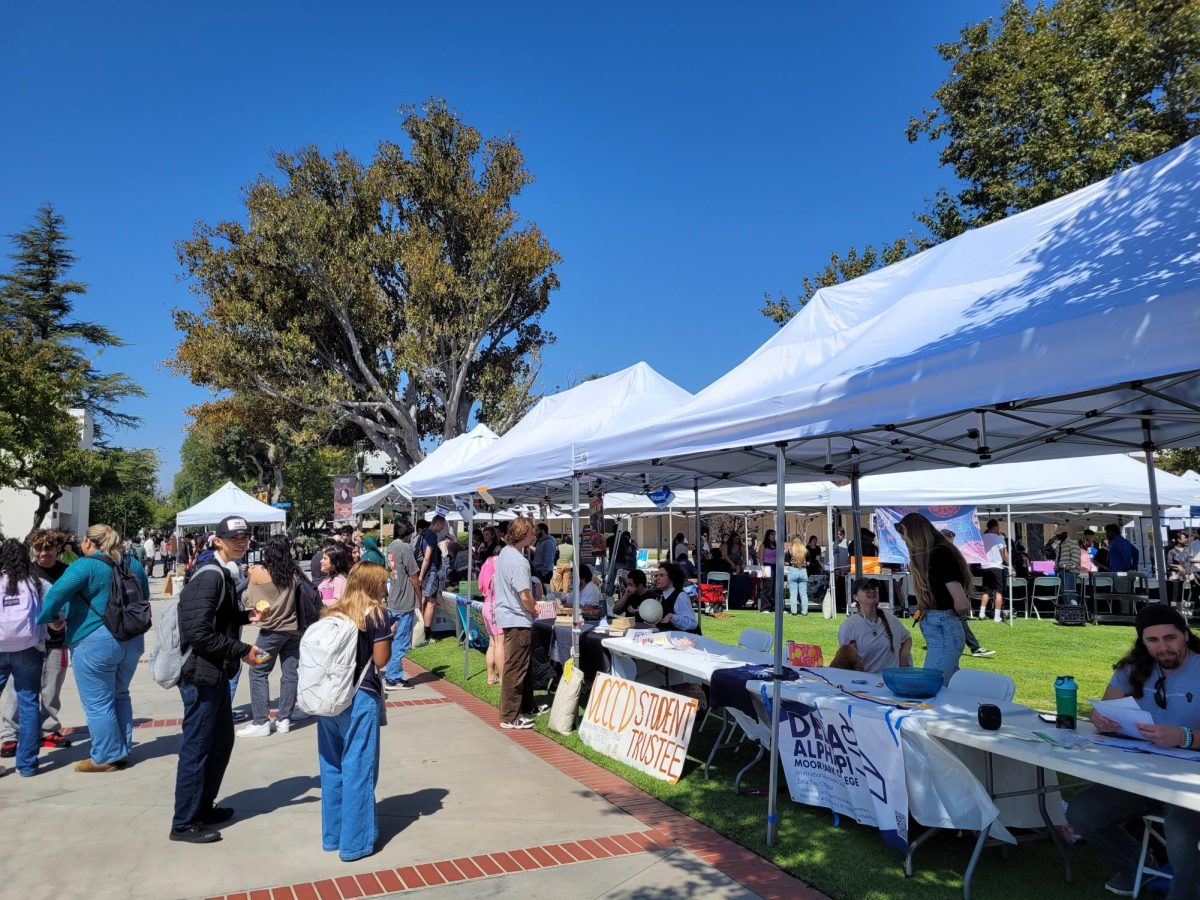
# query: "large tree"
{"type": "Point", "coordinates": [398, 296]}
{"type": "Point", "coordinates": [1038, 103]}
{"type": "Point", "coordinates": [125, 491]}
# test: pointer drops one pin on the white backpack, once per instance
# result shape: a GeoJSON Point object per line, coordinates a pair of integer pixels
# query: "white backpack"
{"type": "Point", "coordinates": [328, 651]}
{"type": "Point", "coordinates": [19, 611]}
{"type": "Point", "coordinates": [166, 654]}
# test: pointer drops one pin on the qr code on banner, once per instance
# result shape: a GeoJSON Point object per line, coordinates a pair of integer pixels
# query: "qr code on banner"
{"type": "Point", "coordinates": [901, 824]}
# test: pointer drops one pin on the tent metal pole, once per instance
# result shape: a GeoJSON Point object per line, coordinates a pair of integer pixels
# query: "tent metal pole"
{"type": "Point", "coordinates": [575, 569]}
{"type": "Point", "coordinates": [699, 555]}
{"type": "Point", "coordinates": [670, 535]}
{"type": "Point", "coordinates": [829, 536]}
{"type": "Point", "coordinates": [780, 531]}
{"type": "Point", "coordinates": [659, 536]}
{"type": "Point", "coordinates": [746, 548]}
{"type": "Point", "coordinates": [1160, 569]}
{"type": "Point", "coordinates": [1011, 542]}
{"type": "Point", "coordinates": [855, 512]}
{"type": "Point", "coordinates": [470, 597]}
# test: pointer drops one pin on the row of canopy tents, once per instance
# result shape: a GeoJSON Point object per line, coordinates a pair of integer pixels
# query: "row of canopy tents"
{"type": "Point", "coordinates": [1067, 330]}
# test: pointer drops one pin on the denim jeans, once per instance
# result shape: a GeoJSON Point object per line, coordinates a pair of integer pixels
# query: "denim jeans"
{"type": "Point", "coordinates": [54, 673]}
{"type": "Point", "coordinates": [797, 586]}
{"type": "Point", "coordinates": [401, 642]}
{"type": "Point", "coordinates": [104, 667]}
{"type": "Point", "coordinates": [285, 647]}
{"type": "Point", "coordinates": [205, 749]}
{"type": "Point", "coordinates": [1100, 813]}
{"type": "Point", "coordinates": [348, 753]}
{"type": "Point", "coordinates": [944, 641]}
{"type": "Point", "coordinates": [25, 667]}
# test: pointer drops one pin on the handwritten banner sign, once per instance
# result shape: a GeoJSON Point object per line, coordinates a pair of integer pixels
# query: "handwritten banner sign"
{"type": "Point", "coordinates": [639, 725]}
{"type": "Point", "coordinates": [852, 765]}
{"type": "Point", "coordinates": [962, 520]}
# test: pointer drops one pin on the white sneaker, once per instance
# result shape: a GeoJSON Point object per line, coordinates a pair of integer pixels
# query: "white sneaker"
{"type": "Point", "coordinates": [283, 726]}
{"type": "Point", "coordinates": [253, 730]}
{"type": "Point", "coordinates": [983, 614]}
{"type": "Point", "coordinates": [997, 616]}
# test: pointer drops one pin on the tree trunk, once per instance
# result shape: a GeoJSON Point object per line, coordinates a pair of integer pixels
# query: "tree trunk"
{"type": "Point", "coordinates": [45, 502]}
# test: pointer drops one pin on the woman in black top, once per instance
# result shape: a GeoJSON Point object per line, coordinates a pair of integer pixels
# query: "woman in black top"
{"type": "Point", "coordinates": [940, 577]}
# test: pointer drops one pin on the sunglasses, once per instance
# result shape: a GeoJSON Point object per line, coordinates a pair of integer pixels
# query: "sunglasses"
{"type": "Point", "coordinates": [1160, 692]}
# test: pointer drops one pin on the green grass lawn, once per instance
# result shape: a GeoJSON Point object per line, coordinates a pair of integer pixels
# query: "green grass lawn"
{"type": "Point", "coordinates": [851, 861]}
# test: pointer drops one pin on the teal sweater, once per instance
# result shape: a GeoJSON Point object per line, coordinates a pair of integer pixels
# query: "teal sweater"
{"type": "Point", "coordinates": [81, 595]}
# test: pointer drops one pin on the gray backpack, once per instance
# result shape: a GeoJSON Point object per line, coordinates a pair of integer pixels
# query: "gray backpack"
{"type": "Point", "coordinates": [167, 655]}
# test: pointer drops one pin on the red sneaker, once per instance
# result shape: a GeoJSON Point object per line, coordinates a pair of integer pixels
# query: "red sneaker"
{"type": "Point", "coordinates": [8, 750]}
{"type": "Point", "coordinates": [56, 739]}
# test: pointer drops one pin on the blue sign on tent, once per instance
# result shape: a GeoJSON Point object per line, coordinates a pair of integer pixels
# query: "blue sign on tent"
{"type": "Point", "coordinates": [282, 504]}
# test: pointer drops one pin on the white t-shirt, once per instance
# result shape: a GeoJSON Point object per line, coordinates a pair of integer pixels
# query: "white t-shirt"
{"type": "Point", "coordinates": [872, 639]}
{"type": "Point", "coordinates": [993, 545]}
{"type": "Point", "coordinates": [510, 578]}
{"type": "Point", "coordinates": [589, 596]}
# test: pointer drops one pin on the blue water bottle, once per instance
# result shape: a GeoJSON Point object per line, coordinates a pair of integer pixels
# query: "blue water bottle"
{"type": "Point", "coordinates": [1066, 698]}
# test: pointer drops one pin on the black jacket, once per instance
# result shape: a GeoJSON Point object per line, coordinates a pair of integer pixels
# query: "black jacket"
{"type": "Point", "coordinates": [210, 622]}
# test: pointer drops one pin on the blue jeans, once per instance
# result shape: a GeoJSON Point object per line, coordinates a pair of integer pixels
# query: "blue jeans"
{"type": "Point", "coordinates": [25, 666]}
{"type": "Point", "coordinates": [797, 586]}
{"type": "Point", "coordinates": [104, 667]}
{"type": "Point", "coordinates": [401, 642]}
{"type": "Point", "coordinates": [205, 749]}
{"type": "Point", "coordinates": [348, 753]}
{"type": "Point", "coordinates": [285, 648]}
{"type": "Point", "coordinates": [944, 641]}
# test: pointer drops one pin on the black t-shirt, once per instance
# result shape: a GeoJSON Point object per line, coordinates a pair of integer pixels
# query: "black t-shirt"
{"type": "Point", "coordinates": [429, 538]}
{"type": "Point", "coordinates": [943, 569]}
{"type": "Point", "coordinates": [54, 639]}
{"type": "Point", "coordinates": [376, 629]}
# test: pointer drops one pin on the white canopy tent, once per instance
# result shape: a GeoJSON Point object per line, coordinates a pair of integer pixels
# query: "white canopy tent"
{"type": "Point", "coordinates": [447, 458]}
{"type": "Point", "coordinates": [229, 500]}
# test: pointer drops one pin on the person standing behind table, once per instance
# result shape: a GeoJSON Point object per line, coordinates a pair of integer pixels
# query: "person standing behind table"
{"type": "Point", "coordinates": [796, 574]}
{"type": "Point", "coordinates": [274, 582]}
{"type": "Point", "coordinates": [495, 650]}
{"type": "Point", "coordinates": [1179, 566]}
{"type": "Point", "coordinates": [402, 603]}
{"type": "Point", "coordinates": [678, 614]}
{"type": "Point", "coordinates": [994, 565]}
{"type": "Point", "coordinates": [882, 640]}
{"type": "Point", "coordinates": [939, 578]}
{"type": "Point", "coordinates": [514, 610]}
{"type": "Point", "coordinates": [1161, 672]}
{"type": "Point", "coordinates": [429, 556]}
{"type": "Point", "coordinates": [21, 640]}
{"type": "Point", "coordinates": [1122, 555]}
{"type": "Point", "coordinates": [348, 743]}
{"type": "Point", "coordinates": [48, 568]}
{"type": "Point", "coordinates": [544, 553]}
{"type": "Point", "coordinates": [1066, 565]}
{"type": "Point", "coordinates": [210, 624]}
{"type": "Point", "coordinates": [104, 666]}
{"type": "Point", "coordinates": [335, 566]}
{"type": "Point", "coordinates": [770, 557]}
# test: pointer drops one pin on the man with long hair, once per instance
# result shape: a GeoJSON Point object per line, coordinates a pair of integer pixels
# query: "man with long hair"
{"type": "Point", "coordinates": [1162, 673]}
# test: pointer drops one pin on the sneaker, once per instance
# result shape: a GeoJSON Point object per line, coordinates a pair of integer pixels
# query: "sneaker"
{"type": "Point", "coordinates": [8, 750]}
{"type": "Point", "coordinates": [983, 614]}
{"type": "Point", "coordinates": [398, 685]}
{"type": "Point", "coordinates": [252, 730]}
{"type": "Point", "coordinates": [519, 725]}
{"type": "Point", "coordinates": [196, 833]}
{"type": "Point", "coordinates": [982, 652]}
{"type": "Point", "coordinates": [1120, 884]}
{"type": "Point", "coordinates": [283, 726]}
{"type": "Point", "coordinates": [997, 617]}
{"type": "Point", "coordinates": [217, 815]}
{"type": "Point", "coordinates": [55, 739]}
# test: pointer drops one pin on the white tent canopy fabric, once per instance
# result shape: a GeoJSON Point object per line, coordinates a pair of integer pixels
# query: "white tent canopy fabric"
{"type": "Point", "coordinates": [536, 458]}
{"type": "Point", "coordinates": [230, 500]}
{"type": "Point", "coordinates": [442, 462]}
{"type": "Point", "coordinates": [1092, 484]}
{"type": "Point", "coordinates": [1048, 334]}
{"type": "Point", "coordinates": [750, 498]}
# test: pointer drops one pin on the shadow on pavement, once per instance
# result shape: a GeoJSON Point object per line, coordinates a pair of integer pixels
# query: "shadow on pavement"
{"type": "Point", "coordinates": [277, 795]}
{"type": "Point", "coordinates": [397, 812]}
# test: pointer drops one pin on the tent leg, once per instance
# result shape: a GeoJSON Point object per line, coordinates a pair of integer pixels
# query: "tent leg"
{"type": "Point", "coordinates": [470, 597]}
{"type": "Point", "coordinates": [1160, 569]}
{"type": "Point", "coordinates": [575, 573]}
{"type": "Point", "coordinates": [780, 538]}
{"type": "Point", "coordinates": [698, 554]}
{"type": "Point", "coordinates": [1011, 542]}
{"type": "Point", "coordinates": [855, 516]}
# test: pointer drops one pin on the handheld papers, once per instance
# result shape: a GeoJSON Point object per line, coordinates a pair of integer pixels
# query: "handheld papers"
{"type": "Point", "coordinates": [1125, 712]}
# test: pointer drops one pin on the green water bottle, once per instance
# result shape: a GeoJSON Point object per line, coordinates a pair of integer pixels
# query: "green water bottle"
{"type": "Point", "coordinates": [1066, 697]}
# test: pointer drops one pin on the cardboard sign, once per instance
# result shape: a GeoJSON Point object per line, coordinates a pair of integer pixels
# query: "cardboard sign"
{"type": "Point", "coordinates": [639, 725]}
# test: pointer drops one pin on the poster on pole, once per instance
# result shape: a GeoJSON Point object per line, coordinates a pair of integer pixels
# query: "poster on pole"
{"type": "Point", "coordinates": [962, 520]}
{"type": "Point", "coordinates": [639, 725]}
{"type": "Point", "coordinates": [591, 538]}
{"type": "Point", "coordinates": [343, 497]}
{"type": "Point", "coordinates": [851, 765]}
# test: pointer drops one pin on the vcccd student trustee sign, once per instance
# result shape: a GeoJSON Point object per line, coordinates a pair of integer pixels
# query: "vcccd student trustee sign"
{"type": "Point", "coordinates": [639, 725]}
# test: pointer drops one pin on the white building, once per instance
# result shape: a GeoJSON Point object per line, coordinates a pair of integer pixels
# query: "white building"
{"type": "Point", "coordinates": [70, 513]}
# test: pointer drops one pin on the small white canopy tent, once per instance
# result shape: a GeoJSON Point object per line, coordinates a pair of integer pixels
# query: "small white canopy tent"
{"type": "Point", "coordinates": [229, 500]}
{"type": "Point", "coordinates": [447, 458]}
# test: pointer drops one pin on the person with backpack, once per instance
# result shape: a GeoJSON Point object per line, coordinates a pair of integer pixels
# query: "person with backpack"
{"type": "Point", "coordinates": [348, 726]}
{"type": "Point", "coordinates": [21, 645]}
{"type": "Point", "coordinates": [105, 597]}
{"type": "Point", "coordinates": [210, 623]}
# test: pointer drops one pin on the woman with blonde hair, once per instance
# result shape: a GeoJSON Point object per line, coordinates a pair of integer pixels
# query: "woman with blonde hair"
{"type": "Point", "coordinates": [348, 743]}
{"type": "Point", "coordinates": [797, 575]}
{"type": "Point", "coordinates": [939, 577]}
{"type": "Point", "coordinates": [103, 665]}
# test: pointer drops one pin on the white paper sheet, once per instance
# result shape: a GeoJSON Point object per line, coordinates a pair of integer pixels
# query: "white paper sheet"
{"type": "Point", "coordinates": [1139, 746]}
{"type": "Point", "coordinates": [1125, 712]}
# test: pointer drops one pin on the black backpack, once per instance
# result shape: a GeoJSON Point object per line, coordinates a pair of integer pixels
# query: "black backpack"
{"type": "Point", "coordinates": [308, 603]}
{"type": "Point", "coordinates": [127, 612]}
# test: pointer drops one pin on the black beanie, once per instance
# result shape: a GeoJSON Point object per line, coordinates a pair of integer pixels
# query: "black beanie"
{"type": "Point", "coordinates": [1158, 614]}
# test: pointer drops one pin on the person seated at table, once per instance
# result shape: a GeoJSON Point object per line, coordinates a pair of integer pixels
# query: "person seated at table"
{"type": "Point", "coordinates": [635, 592]}
{"type": "Point", "coordinates": [678, 614]}
{"type": "Point", "coordinates": [883, 641]}
{"type": "Point", "coordinates": [1161, 672]}
{"type": "Point", "coordinates": [591, 603]}
{"type": "Point", "coordinates": [718, 563]}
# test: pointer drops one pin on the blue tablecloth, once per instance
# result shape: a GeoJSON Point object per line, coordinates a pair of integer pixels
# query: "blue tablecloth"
{"type": "Point", "coordinates": [728, 686]}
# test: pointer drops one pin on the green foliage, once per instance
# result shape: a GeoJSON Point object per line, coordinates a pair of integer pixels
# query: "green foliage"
{"type": "Point", "coordinates": [125, 492]}
{"type": "Point", "coordinates": [1178, 460]}
{"type": "Point", "coordinates": [393, 297]}
{"type": "Point", "coordinates": [308, 483]}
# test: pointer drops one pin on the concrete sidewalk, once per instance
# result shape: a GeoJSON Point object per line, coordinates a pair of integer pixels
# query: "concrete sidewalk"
{"type": "Point", "coordinates": [464, 808]}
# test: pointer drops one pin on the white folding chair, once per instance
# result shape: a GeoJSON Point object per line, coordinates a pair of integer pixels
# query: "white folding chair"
{"type": "Point", "coordinates": [1142, 867]}
{"type": "Point", "coordinates": [1047, 589]}
{"type": "Point", "coordinates": [992, 685]}
{"type": "Point", "coordinates": [756, 639]}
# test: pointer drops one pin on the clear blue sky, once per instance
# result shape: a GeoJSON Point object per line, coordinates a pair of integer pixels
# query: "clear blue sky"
{"type": "Point", "coordinates": [688, 157]}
